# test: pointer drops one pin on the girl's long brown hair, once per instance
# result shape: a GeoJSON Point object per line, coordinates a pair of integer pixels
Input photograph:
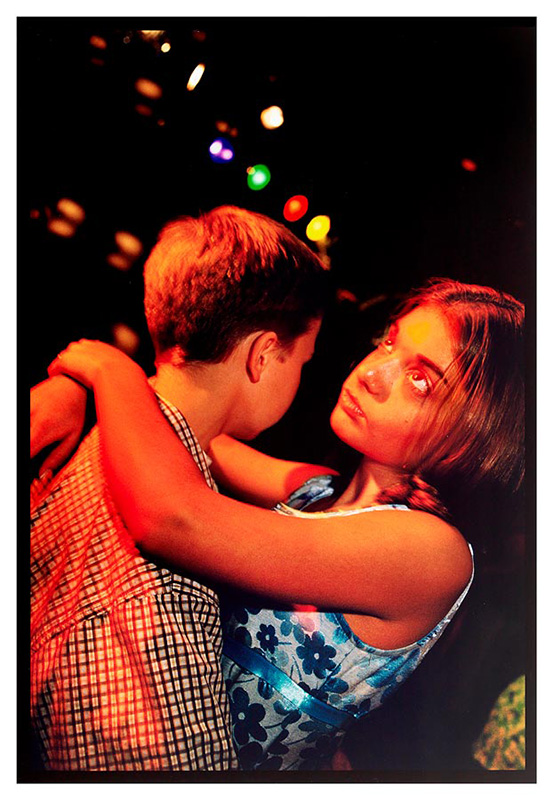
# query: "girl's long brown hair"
{"type": "Point", "coordinates": [475, 431]}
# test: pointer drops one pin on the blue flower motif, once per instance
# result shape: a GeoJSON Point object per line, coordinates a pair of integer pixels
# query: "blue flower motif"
{"type": "Point", "coordinates": [286, 627]}
{"type": "Point", "coordinates": [320, 694]}
{"type": "Point", "coordinates": [272, 764]}
{"type": "Point", "coordinates": [280, 657]}
{"type": "Point", "coordinates": [298, 634]}
{"type": "Point", "coordinates": [265, 689]}
{"type": "Point", "coordinates": [289, 713]}
{"type": "Point", "coordinates": [339, 635]}
{"type": "Point", "coordinates": [352, 708]}
{"type": "Point", "coordinates": [336, 685]}
{"type": "Point", "coordinates": [290, 623]}
{"type": "Point", "coordinates": [243, 636]}
{"type": "Point", "coordinates": [277, 748]}
{"type": "Point", "coordinates": [267, 637]}
{"type": "Point", "coordinates": [246, 717]}
{"type": "Point", "coordinates": [250, 755]}
{"type": "Point", "coordinates": [316, 655]}
{"type": "Point", "coordinates": [237, 613]}
{"type": "Point", "coordinates": [316, 728]}
{"type": "Point", "coordinates": [318, 756]}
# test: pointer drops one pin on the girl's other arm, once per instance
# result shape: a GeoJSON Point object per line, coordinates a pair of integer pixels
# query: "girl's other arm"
{"type": "Point", "coordinates": [255, 477]}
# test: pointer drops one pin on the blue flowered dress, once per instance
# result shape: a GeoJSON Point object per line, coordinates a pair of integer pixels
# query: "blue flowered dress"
{"type": "Point", "coordinates": [298, 679]}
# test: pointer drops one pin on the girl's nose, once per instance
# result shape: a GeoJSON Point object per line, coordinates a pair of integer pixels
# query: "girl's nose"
{"type": "Point", "coordinates": [379, 374]}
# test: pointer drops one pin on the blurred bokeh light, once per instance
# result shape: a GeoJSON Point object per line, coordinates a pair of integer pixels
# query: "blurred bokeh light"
{"type": "Point", "coordinates": [62, 227]}
{"type": "Point", "coordinates": [296, 207]}
{"type": "Point", "coordinates": [195, 77]}
{"type": "Point", "coordinates": [258, 177]}
{"type": "Point", "coordinates": [148, 88]}
{"type": "Point", "coordinates": [125, 338]}
{"type": "Point", "coordinates": [97, 41]}
{"type": "Point", "coordinates": [71, 210]}
{"type": "Point", "coordinates": [221, 151]}
{"type": "Point", "coordinates": [318, 228]}
{"type": "Point", "coordinates": [128, 244]}
{"type": "Point", "coordinates": [469, 165]}
{"type": "Point", "coordinates": [272, 117]}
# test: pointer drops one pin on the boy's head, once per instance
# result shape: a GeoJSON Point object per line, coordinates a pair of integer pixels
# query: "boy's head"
{"type": "Point", "coordinates": [211, 281]}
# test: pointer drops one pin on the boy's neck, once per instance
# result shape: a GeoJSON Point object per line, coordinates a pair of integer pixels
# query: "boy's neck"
{"type": "Point", "coordinates": [201, 392]}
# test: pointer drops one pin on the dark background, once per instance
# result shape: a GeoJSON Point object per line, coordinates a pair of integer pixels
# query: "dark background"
{"type": "Point", "coordinates": [378, 116]}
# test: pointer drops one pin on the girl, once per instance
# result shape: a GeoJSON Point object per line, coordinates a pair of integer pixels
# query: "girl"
{"type": "Point", "coordinates": [359, 582]}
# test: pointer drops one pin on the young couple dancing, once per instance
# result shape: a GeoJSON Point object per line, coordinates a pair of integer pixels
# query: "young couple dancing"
{"type": "Point", "coordinates": [335, 589]}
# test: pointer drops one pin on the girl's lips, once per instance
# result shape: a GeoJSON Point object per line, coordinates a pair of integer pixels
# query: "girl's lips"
{"type": "Point", "coordinates": [350, 404]}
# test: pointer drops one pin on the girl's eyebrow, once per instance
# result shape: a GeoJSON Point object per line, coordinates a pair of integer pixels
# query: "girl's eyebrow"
{"type": "Point", "coordinates": [427, 362]}
{"type": "Point", "coordinates": [424, 360]}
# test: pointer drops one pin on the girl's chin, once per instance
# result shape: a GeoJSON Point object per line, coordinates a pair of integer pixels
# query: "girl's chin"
{"type": "Point", "coordinates": [338, 424]}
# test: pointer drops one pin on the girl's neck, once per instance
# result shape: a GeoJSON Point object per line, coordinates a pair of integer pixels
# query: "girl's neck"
{"type": "Point", "coordinates": [366, 484]}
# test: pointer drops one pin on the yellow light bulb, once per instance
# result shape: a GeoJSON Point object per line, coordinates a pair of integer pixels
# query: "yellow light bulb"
{"type": "Point", "coordinates": [318, 228]}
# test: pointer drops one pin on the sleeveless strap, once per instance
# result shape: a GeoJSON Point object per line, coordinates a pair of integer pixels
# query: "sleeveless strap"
{"type": "Point", "coordinates": [255, 663]}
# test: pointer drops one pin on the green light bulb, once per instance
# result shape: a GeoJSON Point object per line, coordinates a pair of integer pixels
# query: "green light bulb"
{"type": "Point", "coordinates": [258, 177]}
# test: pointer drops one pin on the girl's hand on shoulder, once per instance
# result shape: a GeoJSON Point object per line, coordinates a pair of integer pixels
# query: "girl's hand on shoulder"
{"type": "Point", "coordinates": [89, 360]}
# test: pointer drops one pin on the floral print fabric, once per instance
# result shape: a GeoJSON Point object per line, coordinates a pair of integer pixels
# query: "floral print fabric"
{"type": "Point", "coordinates": [323, 657]}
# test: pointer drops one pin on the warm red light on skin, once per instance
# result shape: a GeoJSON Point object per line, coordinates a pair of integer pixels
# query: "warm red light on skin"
{"type": "Point", "coordinates": [281, 382]}
{"type": "Point", "coordinates": [469, 165]}
{"type": "Point", "coordinates": [419, 331]}
{"type": "Point", "coordinates": [379, 410]}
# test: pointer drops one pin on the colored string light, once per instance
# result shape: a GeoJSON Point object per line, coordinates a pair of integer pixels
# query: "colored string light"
{"type": "Point", "coordinates": [318, 228]}
{"type": "Point", "coordinates": [296, 207]}
{"type": "Point", "coordinates": [221, 151]}
{"type": "Point", "coordinates": [469, 165]}
{"type": "Point", "coordinates": [258, 177]}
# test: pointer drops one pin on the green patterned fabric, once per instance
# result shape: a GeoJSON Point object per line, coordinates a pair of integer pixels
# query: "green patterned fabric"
{"type": "Point", "coordinates": [501, 744]}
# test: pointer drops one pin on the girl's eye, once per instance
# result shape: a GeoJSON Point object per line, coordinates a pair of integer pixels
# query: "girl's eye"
{"type": "Point", "coordinates": [419, 383]}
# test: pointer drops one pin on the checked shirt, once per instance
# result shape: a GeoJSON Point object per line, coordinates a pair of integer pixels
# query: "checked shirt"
{"type": "Point", "coordinates": [125, 653]}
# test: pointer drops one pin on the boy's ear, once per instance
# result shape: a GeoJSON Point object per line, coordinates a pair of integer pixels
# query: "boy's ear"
{"type": "Point", "coordinates": [262, 349]}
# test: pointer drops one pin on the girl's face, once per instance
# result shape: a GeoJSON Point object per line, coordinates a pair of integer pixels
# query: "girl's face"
{"type": "Point", "coordinates": [379, 411]}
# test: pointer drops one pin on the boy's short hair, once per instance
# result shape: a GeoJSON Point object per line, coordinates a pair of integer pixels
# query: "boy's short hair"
{"type": "Point", "coordinates": [212, 280]}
